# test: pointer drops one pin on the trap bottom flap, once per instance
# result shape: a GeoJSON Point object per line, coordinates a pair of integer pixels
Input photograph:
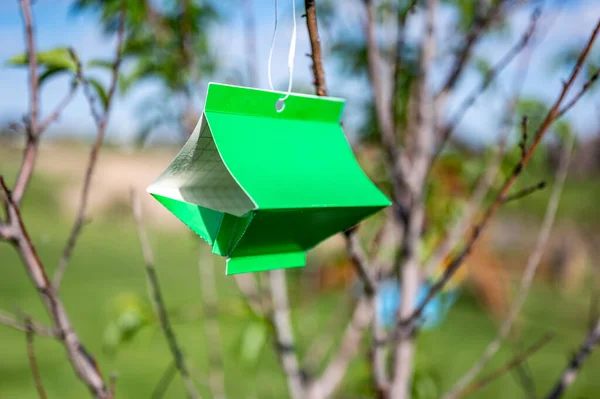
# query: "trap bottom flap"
{"type": "Point", "coordinates": [259, 263]}
{"type": "Point", "coordinates": [204, 222]}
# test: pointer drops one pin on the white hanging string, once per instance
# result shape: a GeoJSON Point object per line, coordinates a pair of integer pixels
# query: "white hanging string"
{"type": "Point", "coordinates": [273, 45]}
{"type": "Point", "coordinates": [291, 54]}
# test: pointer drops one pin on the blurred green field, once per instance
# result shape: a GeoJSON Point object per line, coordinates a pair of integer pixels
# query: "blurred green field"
{"type": "Point", "coordinates": [107, 264]}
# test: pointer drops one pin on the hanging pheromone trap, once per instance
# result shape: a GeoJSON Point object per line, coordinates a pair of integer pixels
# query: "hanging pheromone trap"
{"type": "Point", "coordinates": [266, 175]}
{"type": "Point", "coordinates": [262, 186]}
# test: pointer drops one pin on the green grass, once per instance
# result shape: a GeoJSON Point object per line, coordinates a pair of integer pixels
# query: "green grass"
{"type": "Point", "coordinates": [107, 263]}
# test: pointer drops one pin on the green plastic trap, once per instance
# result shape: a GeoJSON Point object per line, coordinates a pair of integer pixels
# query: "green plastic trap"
{"type": "Point", "coordinates": [261, 186]}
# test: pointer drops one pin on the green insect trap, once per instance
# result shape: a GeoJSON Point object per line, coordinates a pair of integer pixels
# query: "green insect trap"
{"type": "Point", "coordinates": [262, 186]}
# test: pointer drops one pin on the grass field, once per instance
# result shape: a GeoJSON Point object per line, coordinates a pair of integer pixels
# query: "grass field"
{"type": "Point", "coordinates": [107, 264]}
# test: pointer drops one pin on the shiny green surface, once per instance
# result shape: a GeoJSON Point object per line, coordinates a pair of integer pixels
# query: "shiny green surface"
{"type": "Point", "coordinates": [261, 263]}
{"type": "Point", "coordinates": [263, 186]}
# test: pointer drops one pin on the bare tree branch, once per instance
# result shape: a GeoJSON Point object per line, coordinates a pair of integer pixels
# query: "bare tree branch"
{"type": "Point", "coordinates": [457, 233]}
{"type": "Point", "coordinates": [480, 23]}
{"type": "Point", "coordinates": [360, 261]}
{"type": "Point", "coordinates": [515, 362]}
{"type": "Point", "coordinates": [576, 363]}
{"type": "Point", "coordinates": [461, 226]}
{"type": "Point", "coordinates": [9, 320]}
{"type": "Point", "coordinates": [157, 300]}
{"type": "Point", "coordinates": [525, 192]}
{"type": "Point", "coordinates": [523, 142]}
{"type": "Point", "coordinates": [398, 61]}
{"type": "Point", "coordinates": [508, 184]}
{"type": "Point", "coordinates": [31, 147]}
{"type": "Point", "coordinates": [112, 384]}
{"type": "Point", "coordinates": [315, 45]}
{"type": "Point", "coordinates": [586, 86]}
{"type": "Point", "coordinates": [316, 353]}
{"type": "Point", "coordinates": [423, 141]}
{"type": "Point", "coordinates": [397, 159]}
{"type": "Point", "coordinates": [35, 371]}
{"type": "Point", "coordinates": [82, 361]}
{"type": "Point", "coordinates": [165, 381]}
{"type": "Point", "coordinates": [329, 381]}
{"type": "Point", "coordinates": [54, 115]}
{"type": "Point", "coordinates": [379, 355]}
{"type": "Point", "coordinates": [15, 231]}
{"type": "Point", "coordinates": [210, 300]}
{"type": "Point", "coordinates": [352, 242]}
{"type": "Point", "coordinates": [449, 128]}
{"type": "Point", "coordinates": [252, 295]}
{"type": "Point", "coordinates": [101, 123]}
{"type": "Point", "coordinates": [285, 344]}
{"type": "Point", "coordinates": [528, 275]}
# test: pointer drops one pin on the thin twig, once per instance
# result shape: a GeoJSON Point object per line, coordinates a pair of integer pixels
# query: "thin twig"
{"type": "Point", "coordinates": [285, 344]}
{"type": "Point", "coordinates": [35, 371]}
{"type": "Point", "coordinates": [576, 363]}
{"type": "Point", "coordinates": [526, 381]}
{"type": "Point", "coordinates": [396, 157]}
{"type": "Point", "coordinates": [319, 348]}
{"type": "Point", "coordinates": [352, 244]}
{"type": "Point", "coordinates": [210, 300]}
{"type": "Point", "coordinates": [93, 158]}
{"type": "Point", "coordinates": [253, 296]}
{"type": "Point", "coordinates": [360, 262]}
{"type": "Point", "coordinates": [523, 142]}
{"type": "Point", "coordinates": [422, 142]}
{"type": "Point", "coordinates": [157, 299]}
{"type": "Point", "coordinates": [54, 115]}
{"type": "Point", "coordinates": [315, 45]}
{"type": "Point", "coordinates": [328, 382]}
{"type": "Point", "coordinates": [112, 384]}
{"type": "Point", "coordinates": [525, 192]}
{"type": "Point", "coordinates": [81, 360]}
{"type": "Point", "coordinates": [379, 355]}
{"type": "Point", "coordinates": [480, 23]}
{"type": "Point", "coordinates": [449, 128]}
{"type": "Point", "coordinates": [9, 320]}
{"type": "Point", "coordinates": [398, 60]}
{"type": "Point", "coordinates": [516, 361]}
{"type": "Point", "coordinates": [457, 232]}
{"type": "Point", "coordinates": [34, 105]}
{"type": "Point", "coordinates": [165, 381]}
{"type": "Point", "coordinates": [458, 260]}
{"type": "Point", "coordinates": [586, 86]}
{"type": "Point", "coordinates": [528, 274]}
{"type": "Point", "coordinates": [31, 147]}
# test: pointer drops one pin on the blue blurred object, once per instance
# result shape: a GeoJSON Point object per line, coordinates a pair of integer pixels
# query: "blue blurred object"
{"type": "Point", "coordinates": [388, 301]}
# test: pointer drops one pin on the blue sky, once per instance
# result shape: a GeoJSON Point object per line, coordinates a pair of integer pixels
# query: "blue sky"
{"type": "Point", "coordinates": [56, 26]}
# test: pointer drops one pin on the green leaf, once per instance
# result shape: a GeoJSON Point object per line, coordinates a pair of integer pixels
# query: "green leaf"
{"type": "Point", "coordinates": [100, 92]}
{"type": "Point", "coordinates": [48, 73]}
{"type": "Point", "coordinates": [129, 323]}
{"type": "Point", "coordinates": [57, 58]}
{"type": "Point", "coordinates": [111, 337]}
{"type": "Point", "coordinates": [253, 340]}
{"type": "Point", "coordinates": [483, 67]}
{"type": "Point", "coordinates": [104, 64]}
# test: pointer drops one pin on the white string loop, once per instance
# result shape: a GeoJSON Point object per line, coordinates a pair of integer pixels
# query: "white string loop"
{"type": "Point", "coordinates": [291, 54]}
